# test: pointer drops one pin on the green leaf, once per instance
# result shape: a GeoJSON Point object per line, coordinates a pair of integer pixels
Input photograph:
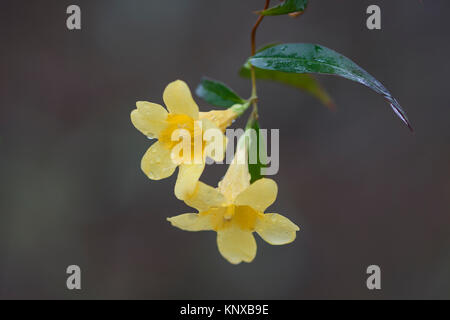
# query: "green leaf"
{"type": "Point", "coordinates": [288, 6]}
{"type": "Point", "coordinates": [313, 58]}
{"type": "Point", "coordinates": [217, 94]}
{"type": "Point", "coordinates": [304, 82]}
{"type": "Point", "coordinates": [256, 148]}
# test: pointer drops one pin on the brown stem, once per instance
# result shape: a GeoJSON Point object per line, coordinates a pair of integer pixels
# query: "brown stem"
{"type": "Point", "coordinates": [252, 69]}
{"type": "Point", "coordinates": [255, 27]}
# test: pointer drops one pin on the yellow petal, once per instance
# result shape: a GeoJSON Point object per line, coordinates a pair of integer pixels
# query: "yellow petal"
{"type": "Point", "coordinates": [215, 140]}
{"type": "Point", "coordinates": [157, 163]}
{"type": "Point", "coordinates": [236, 245]}
{"type": "Point", "coordinates": [205, 197]}
{"type": "Point", "coordinates": [191, 222]}
{"type": "Point", "coordinates": [178, 99]}
{"type": "Point", "coordinates": [237, 178]}
{"type": "Point", "coordinates": [276, 229]}
{"type": "Point", "coordinates": [259, 195]}
{"type": "Point", "coordinates": [188, 176]}
{"type": "Point", "coordinates": [149, 118]}
{"type": "Point", "coordinates": [221, 118]}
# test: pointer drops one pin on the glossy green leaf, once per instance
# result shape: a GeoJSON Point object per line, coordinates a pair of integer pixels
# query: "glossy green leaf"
{"type": "Point", "coordinates": [304, 82]}
{"type": "Point", "coordinates": [217, 94]}
{"type": "Point", "coordinates": [312, 58]}
{"type": "Point", "coordinates": [256, 150]}
{"type": "Point", "coordinates": [288, 6]}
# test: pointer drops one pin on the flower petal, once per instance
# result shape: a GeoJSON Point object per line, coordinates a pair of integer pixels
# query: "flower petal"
{"type": "Point", "coordinates": [215, 140]}
{"type": "Point", "coordinates": [149, 118]}
{"type": "Point", "coordinates": [191, 222]}
{"type": "Point", "coordinates": [205, 197]}
{"type": "Point", "coordinates": [156, 162]}
{"type": "Point", "coordinates": [276, 229]}
{"type": "Point", "coordinates": [222, 118]}
{"type": "Point", "coordinates": [259, 195]}
{"type": "Point", "coordinates": [178, 99]}
{"type": "Point", "coordinates": [236, 245]}
{"type": "Point", "coordinates": [188, 176]}
{"type": "Point", "coordinates": [237, 178]}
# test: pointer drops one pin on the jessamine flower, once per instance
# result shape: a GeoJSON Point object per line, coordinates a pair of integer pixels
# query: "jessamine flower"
{"type": "Point", "coordinates": [163, 157]}
{"type": "Point", "coordinates": [235, 210]}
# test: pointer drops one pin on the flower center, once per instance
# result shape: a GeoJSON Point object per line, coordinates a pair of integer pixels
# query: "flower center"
{"type": "Point", "coordinates": [182, 131]}
{"type": "Point", "coordinates": [244, 217]}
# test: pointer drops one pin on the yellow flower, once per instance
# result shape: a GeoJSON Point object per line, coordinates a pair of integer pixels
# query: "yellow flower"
{"type": "Point", "coordinates": [163, 157]}
{"type": "Point", "coordinates": [235, 210]}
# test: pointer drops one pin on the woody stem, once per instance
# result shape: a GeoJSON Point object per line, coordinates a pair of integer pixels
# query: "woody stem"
{"type": "Point", "coordinates": [254, 96]}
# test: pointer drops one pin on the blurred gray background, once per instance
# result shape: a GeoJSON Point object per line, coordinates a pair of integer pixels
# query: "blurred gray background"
{"type": "Point", "coordinates": [363, 189]}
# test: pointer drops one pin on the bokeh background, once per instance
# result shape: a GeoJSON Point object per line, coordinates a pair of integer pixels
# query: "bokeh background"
{"type": "Point", "coordinates": [363, 188]}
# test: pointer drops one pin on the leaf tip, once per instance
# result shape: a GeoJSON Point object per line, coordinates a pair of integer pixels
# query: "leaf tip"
{"type": "Point", "coordinates": [331, 106]}
{"type": "Point", "coordinates": [296, 14]}
{"type": "Point", "coordinates": [401, 114]}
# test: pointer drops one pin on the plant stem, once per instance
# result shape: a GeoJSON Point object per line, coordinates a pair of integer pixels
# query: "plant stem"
{"type": "Point", "coordinates": [254, 96]}
{"type": "Point", "coordinates": [255, 27]}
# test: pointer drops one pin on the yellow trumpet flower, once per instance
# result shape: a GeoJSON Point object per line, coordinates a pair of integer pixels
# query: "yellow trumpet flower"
{"type": "Point", "coordinates": [235, 210]}
{"type": "Point", "coordinates": [163, 157]}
